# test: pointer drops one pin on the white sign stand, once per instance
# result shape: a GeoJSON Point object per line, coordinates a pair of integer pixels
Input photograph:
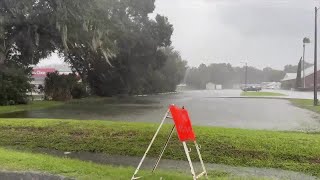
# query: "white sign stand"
{"type": "Point", "coordinates": [195, 177]}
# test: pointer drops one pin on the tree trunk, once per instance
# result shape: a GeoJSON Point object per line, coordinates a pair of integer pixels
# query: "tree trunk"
{"type": "Point", "coordinates": [2, 58]}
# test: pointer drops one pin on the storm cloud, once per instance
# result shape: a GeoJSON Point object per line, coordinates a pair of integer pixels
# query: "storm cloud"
{"type": "Point", "coordinates": [262, 32]}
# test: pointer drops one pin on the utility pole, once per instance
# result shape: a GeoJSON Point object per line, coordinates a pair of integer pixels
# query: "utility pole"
{"type": "Point", "coordinates": [303, 66]}
{"type": "Point", "coordinates": [315, 83]}
{"type": "Point", "coordinates": [305, 41]}
{"type": "Point", "coordinates": [246, 73]}
{"type": "Point", "coordinates": [246, 78]}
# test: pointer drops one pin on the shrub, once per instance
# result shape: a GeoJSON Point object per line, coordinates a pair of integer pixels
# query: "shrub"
{"type": "Point", "coordinates": [63, 87]}
{"type": "Point", "coordinates": [79, 91]}
{"type": "Point", "coordinates": [14, 85]}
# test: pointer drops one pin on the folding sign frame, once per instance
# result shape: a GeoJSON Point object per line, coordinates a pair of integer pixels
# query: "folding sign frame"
{"type": "Point", "coordinates": [183, 126]}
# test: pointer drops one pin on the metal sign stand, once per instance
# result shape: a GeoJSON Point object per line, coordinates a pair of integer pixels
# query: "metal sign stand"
{"type": "Point", "coordinates": [187, 151]}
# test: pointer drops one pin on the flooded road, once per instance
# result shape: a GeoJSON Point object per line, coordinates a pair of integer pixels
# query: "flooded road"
{"type": "Point", "coordinates": [206, 108]}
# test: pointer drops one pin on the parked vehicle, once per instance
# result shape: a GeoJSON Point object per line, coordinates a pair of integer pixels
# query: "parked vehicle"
{"type": "Point", "coordinates": [252, 87]}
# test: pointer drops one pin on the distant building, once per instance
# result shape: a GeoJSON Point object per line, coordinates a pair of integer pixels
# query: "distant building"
{"type": "Point", "coordinates": [270, 85]}
{"type": "Point", "coordinates": [40, 73]}
{"type": "Point", "coordinates": [181, 87]}
{"type": "Point", "coordinates": [309, 73]}
{"type": "Point", "coordinates": [211, 86]}
{"type": "Point", "coordinates": [289, 81]}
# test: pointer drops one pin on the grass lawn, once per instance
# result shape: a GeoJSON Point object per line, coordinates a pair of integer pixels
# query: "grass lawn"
{"type": "Point", "coordinates": [20, 161]}
{"type": "Point", "coordinates": [306, 104]}
{"type": "Point", "coordinates": [285, 150]}
{"type": "Point", "coordinates": [249, 93]}
{"type": "Point", "coordinates": [25, 162]}
{"type": "Point", "coordinates": [32, 106]}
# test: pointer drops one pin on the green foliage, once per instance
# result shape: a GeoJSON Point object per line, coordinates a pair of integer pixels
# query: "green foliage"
{"type": "Point", "coordinates": [306, 104]}
{"type": "Point", "coordinates": [294, 68]}
{"type": "Point", "coordinates": [172, 73]}
{"type": "Point", "coordinates": [286, 150]}
{"type": "Point", "coordinates": [227, 76]}
{"type": "Point", "coordinates": [113, 45]}
{"type": "Point", "coordinates": [137, 68]}
{"type": "Point", "coordinates": [79, 91]}
{"type": "Point", "coordinates": [62, 87]}
{"type": "Point", "coordinates": [14, 85]}
{"type": "Point", "coordinates": [34, 105]}
{"type": "Point", "coordinates": [33, 29]}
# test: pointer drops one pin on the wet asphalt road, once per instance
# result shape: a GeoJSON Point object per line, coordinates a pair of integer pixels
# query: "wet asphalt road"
{"type": "Point", "coordinates": [209, 108]}
{"type": "Point", "coordinates": [206, 108]}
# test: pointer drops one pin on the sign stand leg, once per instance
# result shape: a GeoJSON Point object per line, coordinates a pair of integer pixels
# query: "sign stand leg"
{"type": "Point", "coordinates": [200, 157]}
{"type": "Point", "coordinates": [189, 160]}
{"type": "Point", "coordinates": [145, 154]}
{"type": "Point", "coordinates": [163, 149]}
{"type": "Point", "coordinates": [182, 124]}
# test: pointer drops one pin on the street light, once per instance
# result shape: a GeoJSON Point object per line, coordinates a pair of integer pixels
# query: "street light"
{"type": "Point", "coordinates": [315, 83]}
{"type": "Point", "coordinates": [305, 41]}
{"type": "Point", "coordinates": [246, 74]}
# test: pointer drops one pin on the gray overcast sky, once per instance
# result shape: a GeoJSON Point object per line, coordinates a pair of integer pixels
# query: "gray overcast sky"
{"type": "Point", "coordinates": [262, 32]}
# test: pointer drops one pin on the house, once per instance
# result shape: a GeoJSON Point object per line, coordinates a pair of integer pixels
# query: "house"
{"type": "Point", "coordinates": [289, 81]}
{"type": "Point", "coordinates": [309, 77]}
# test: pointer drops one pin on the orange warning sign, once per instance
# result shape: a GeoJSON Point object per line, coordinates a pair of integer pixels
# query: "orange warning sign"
{"type": "Point", "coordinates": [183, 123]}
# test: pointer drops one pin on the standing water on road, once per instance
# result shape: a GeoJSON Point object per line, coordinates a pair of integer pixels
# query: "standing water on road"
{"type": "Point", "coordinates": [207, 108]}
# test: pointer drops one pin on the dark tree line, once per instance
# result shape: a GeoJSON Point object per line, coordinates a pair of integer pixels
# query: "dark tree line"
{"type": "Point", "coordinates": [294, 68]}
{"type": "Point", "coordinates": [113, 45]}
{"type": "Point", "coordinates": [228, 76]}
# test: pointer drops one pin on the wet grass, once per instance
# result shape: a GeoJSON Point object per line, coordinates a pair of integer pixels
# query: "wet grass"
{"type": "Point", "coordinates": [87, 108]}
{"type": "Point", "coordinates": [261, 94]}
{"type": "Point", "coordinates": [305, 104]}
{"type": "Point", "coordinates": [70, 168]}
{"type": "Point", "coordinates": [35, 105]}
{"type": "Point", "coordinates": [21, 161]}
{"type": "Point", "coordinates": [285, 150]}
{"type": "Point", "coordinates": [89, 103]}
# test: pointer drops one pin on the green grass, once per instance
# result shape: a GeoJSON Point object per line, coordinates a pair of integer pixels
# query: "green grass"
{"type": "Point", "coordinates": [286, 150]}
{"type": "Point", "coordinates": [305, 104]}
{"type": "Point", "coordinates": [21, 161]}
{"type": "Point", "coordinates": [27, 107]}
{"type": "Point", "coordinates": [249, 93]}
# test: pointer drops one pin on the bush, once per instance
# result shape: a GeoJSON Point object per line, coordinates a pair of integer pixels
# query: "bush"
{"type": "Point", "coordinates": [63, 87]}
{"type": "Point", "coordinates": [14, 85]}
{"type": "Point", "coordinates": [79, 91]}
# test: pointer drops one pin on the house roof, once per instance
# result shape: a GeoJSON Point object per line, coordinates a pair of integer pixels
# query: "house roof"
{"type": "Point", "coordinates": [289, 76]}
{"type": "Point", "coordinates": [310, 70]}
